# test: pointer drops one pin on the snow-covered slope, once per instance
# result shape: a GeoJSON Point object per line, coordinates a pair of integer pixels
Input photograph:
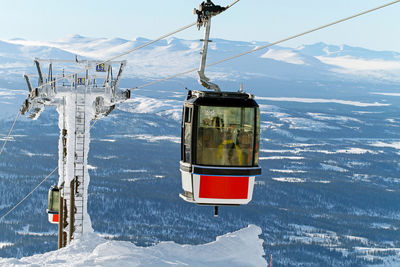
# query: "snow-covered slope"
{"type": "Point", "coordinates": [328, 194]}
{"type": "Point", "coordinates": [355, 60]}
{"type": "Point", "coordinates": [241, 248]}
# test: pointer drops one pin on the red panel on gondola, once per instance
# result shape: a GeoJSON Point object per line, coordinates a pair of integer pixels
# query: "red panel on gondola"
{"type": "Point", "coordinates": [224, 187]}
{"type": "Point", "coordinates": [55, 218]}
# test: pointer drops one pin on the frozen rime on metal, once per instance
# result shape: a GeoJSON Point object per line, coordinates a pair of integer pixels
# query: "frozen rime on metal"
{"type": "Point", "coordinates": [79, 98]}
{"type": "Point", "coordinates": [67, 115]}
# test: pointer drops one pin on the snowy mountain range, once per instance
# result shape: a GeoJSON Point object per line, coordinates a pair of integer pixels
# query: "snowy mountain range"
{"type": "Point", "coordinates": [330, 138]}
{"type": "Point", "coordinates": [170, 56]}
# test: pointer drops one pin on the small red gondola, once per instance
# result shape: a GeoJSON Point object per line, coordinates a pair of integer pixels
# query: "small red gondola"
{"type": "Point", "coordinates": [53, 208]}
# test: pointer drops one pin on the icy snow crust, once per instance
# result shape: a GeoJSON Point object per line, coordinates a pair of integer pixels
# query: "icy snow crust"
{"type": "Point", "coordinates": [241, 248]}
{"type": "Point", "coordinates": [67, 120]}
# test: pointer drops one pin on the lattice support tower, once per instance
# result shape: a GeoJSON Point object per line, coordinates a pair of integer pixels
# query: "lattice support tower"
{"type": "Point", "coordinates": [79, 99]}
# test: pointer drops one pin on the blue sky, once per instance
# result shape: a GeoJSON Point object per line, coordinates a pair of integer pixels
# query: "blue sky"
{"type": "Point", "coordinates": [249, 20]}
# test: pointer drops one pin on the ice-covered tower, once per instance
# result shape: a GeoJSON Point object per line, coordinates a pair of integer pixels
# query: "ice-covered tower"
{"type": "Point", "coordinates": [88, 93]}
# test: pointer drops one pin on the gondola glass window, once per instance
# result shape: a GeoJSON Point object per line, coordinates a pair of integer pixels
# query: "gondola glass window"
{"type": "Point", "coordinates": [54, 200]}
{"type": "Point", "coordinates": [225, 136]}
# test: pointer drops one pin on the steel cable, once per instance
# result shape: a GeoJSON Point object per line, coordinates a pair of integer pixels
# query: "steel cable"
{"type": "Point", "coordinates": [120, 55]}
{"type": "Point", "coordinates": [192, 70]}
{"type": "Point", "coordinates": [9, 133]}
{"type": "Point", "coordinates": [51, 173]}
{"type": "Point", "coordinates": [134, 49]}
{"type": "Point", "coordinates": [269, 45]}
{"type": "Point", "coordinates": [30, 193]}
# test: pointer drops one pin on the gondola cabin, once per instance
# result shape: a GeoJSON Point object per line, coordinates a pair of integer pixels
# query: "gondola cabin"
{"type": "Point", "coordinates": [53, 206]}
{"type": "Point", "coordinates": [219, 147]}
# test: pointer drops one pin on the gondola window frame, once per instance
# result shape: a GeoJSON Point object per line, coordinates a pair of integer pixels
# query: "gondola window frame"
{"type": "Point", "coordinates": [187, 134]}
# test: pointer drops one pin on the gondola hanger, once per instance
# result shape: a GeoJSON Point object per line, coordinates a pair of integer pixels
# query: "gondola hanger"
{"type": "Point", "coordinates": [220, 137]}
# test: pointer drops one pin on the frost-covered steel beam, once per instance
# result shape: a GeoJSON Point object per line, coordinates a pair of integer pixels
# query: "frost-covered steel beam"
{"type": "Point", "coordinates": [50, 76]}
{"type": "Point", "coordinates": [33, 93]}
{"type": "Point", "coordinates": [51, 92]}
{"type": "Point", "coordinates": [25, 106]}
{"type": "Point", "coordinates": [28, 83]}
{"type": "Point", "coordinates": [78, 102]}
{"type": "Point", "coordinates": [120, 95]}
{"type": "Point", "coordinates": [121, 69]}
{"type": "Point", "coordinates": [109, 76]}
{"type": "Point", "coordinates": [36, 111]}
{"type": "Point", "coordinates": [39, 69]}
{"type": "Point", "coordinates": [80, 61]}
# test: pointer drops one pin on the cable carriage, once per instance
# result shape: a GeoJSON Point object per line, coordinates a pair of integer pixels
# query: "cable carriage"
{"type": "Point", "coordinates": [53, 207]}
{"type": "Point", "coordinates": [220, 138]}
{"type": "Point", "coordinates": [219, 148]}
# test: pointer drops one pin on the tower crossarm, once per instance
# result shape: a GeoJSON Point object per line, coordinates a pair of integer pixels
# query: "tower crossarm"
{"type": "Point", "coordinates": [65, 76]}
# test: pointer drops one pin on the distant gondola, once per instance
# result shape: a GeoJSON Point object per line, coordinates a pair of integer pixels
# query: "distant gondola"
{"type": "Point", "coordinates": [53, 207]}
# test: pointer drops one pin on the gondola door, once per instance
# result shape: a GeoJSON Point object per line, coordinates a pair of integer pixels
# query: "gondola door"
{"type": "Point", "coordinates": [186, 153]}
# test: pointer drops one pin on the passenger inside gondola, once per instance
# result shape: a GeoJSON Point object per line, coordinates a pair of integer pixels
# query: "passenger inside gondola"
{"type": "Point", "coordinates": [245, 143]}
{"type": "Point", "coordinates": [225, 136]}
{"type": "Point", "coordinates": [228, 152]}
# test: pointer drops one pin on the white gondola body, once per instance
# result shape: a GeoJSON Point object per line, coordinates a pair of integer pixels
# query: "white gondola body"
{"type": "Point", "coordinates": [53, 217]}
{"type": "Point", "coordinates": [217, 189]}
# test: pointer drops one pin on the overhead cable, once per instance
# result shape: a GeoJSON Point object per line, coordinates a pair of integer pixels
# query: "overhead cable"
{"type": "Point", "coordinates": [192, 70]}
{"type": "Point", "coordinates": [30, 193]}
{"type": "Point", "coordinates": [120, 55]}
{"type": "Point", "coordinates": [305, 33]}
{"type": "Point", "coordinates": [232, 4]}
{"type": "Point", "coordinates": [51, 173]}
{"type": "Point", "coordinates": [71, 75]}
{"type": "Point", "coordinates": [9, 133]}
{"type": "Point", "coordinates": [104, 62]}
{"type": "Point", "coordinates": [269, 45]}
{"type": "Point", "coordinates": [134, 49]}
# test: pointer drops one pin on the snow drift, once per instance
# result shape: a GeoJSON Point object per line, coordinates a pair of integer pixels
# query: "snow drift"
{"type": "Point", "coordinates": [241, 248]}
